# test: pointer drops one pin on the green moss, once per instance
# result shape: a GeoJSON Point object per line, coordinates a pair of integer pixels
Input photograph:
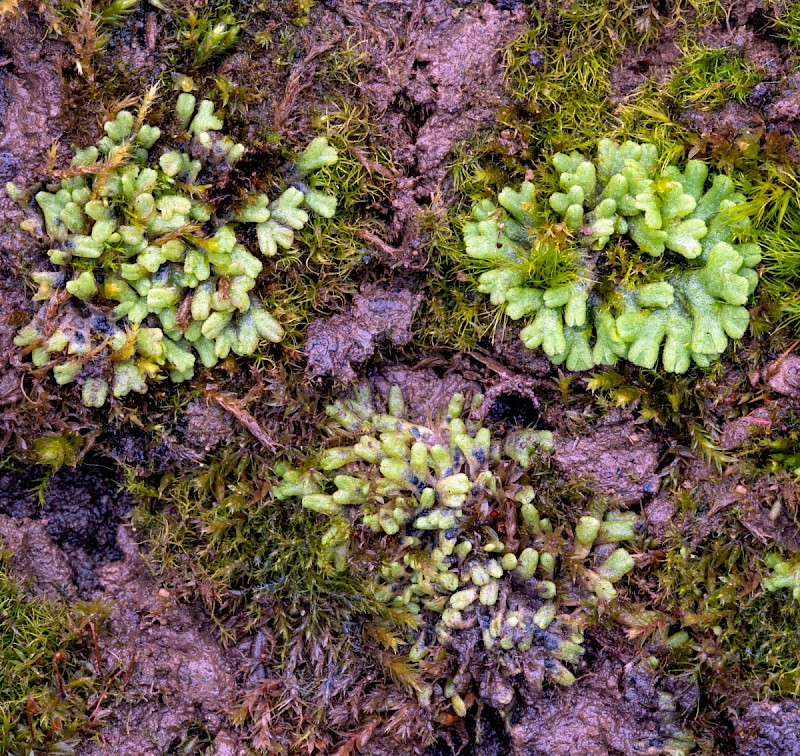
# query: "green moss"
{"type": "Point", "coordinates": [209, 33]}
{"type": "Point", "coordinates": [258, 564]}
{"type": "Point", "coordinates": [706, 78]}
{"type": "Point", "coordinates": [648, 116]}
{"type": "Point", "coordinates": [787, 23]}
{"type": "Point", "coordinates": [781, 242]}
{"type": "Point", "coordinates": [87, 25]}
{"type": "Point", "coordinates": [342, 66]}
{"type": "Point", "coordinates": [767, 450]}
{"type": "Point", "coordinates": [567, 96]}
{"type": "Point", "coordinates": [742, 637]}
{"type": "Point", "coordinates": [46, 681]}
{"type": "Point", "coordinates": [301, 11]}
{"type": "Point", "coordinates": [55, 451]}
{"type": "Point", "coordinates": [217, 535]}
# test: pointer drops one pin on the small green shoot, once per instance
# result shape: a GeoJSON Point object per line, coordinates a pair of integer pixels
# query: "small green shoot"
{"type": "Point", "coordinates": [209, 33]}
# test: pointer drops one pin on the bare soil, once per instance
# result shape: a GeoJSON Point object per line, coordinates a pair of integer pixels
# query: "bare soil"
{"type": "Point", "coordinates": [613, 710]}
{"type": "Point", "coordinates": [80, 514]}
{"type": "Point", "coordinates": [167, 649]}
{"type": "Point", "coordinates": [334, 347]}
{"type": "Point", "coordinates": [618, 458]}
{"type": "Point", "coordinates": [428, 101]}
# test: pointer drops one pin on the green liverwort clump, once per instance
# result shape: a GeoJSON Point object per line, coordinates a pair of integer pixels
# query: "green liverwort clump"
{"type": "Point", "coordinates": [464, 547]}
{"type": "Point", "coordinates": [694, 279]}
{"type": "Point", "coordinates": [150, 275]}
{"type": "Point", "coordinates": [785, 575]}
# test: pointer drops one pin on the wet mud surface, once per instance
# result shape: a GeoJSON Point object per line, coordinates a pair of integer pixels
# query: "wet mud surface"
{"type": "Point", "coordinates": [37, 558]}
{"type": "Point", "coordinates": [614, 710]}
{"type": "Point", "coordinates": [80, 514]}
{"type": "Point", "coordinates": [178, 676]}
{"type": "Point", "coordinates": [30, 105]}
{"type": "Point", "coordinates": [336, 346]}
{"type": "Point", "coordinates": [617, 458]}
{"type": "Point", "coordinates": [427, 101]}
{"type": "Point", "coordinates": [167, 649]}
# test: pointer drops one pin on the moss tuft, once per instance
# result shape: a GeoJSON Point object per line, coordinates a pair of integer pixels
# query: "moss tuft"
{"type": "Point", "coordinates": [46, 679]}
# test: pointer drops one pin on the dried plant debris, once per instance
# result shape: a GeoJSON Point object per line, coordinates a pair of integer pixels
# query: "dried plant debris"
{"type": "Point", "coordinates": [124, 227]}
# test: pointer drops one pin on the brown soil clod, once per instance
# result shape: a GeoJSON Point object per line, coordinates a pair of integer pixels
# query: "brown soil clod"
{"type": "Point", "coordinates": [612, 710]}
{"type": "Point", "coordinates": [769, 728]}
{"type": "Point", "coordinates": [207, 425]}
{"type": "Point", "coordinates": [334, 346]}
{"type": "Point", "coordinates": [736, 433]}
{"type": "Point", "coordinates": [617, 457]}
{"type": "Point", "coordinates": [783, 375]}
{"type": "Point", "coordinates": [425, 389]}
{"type": "Point", "coordinates": [31, 101]}
{"type": "Point", "coordinates": [36, 558]}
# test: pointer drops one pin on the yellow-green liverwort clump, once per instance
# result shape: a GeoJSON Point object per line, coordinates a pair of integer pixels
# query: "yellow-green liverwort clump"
{"type": "Point", "coordinates": [689, 228]}
{"type": "Point", "coordinates": [467, 551]}
{"type": "Point", "coordinates": [150, 278]}
{"type": "Point", "coordinates": [785, 575]}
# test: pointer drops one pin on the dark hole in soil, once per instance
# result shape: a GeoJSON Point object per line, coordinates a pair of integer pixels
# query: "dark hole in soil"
{"type": "Point", "coordinates": [493, 738]}
{"type": "Point", "coordinates": [514, 410]}
{"type": "Point", "coordinates": [6, 61]}
{"type": "Point", "coordinates": [418, 113]}
{"type": "Point", "coordinates": [764, 25]}
{"type": "Point", "coordinates": [82, 509]}
{"type": "Point", "coordinates": [509, 5]}
{"type": "Point", "coordinates": [198, 739]}
{"type": "Point", "coordinates": [133, 447]}
{"type": "Point", "coordinates": [593, 651]}
{"type": "Point", "coordinates": [6, 67]}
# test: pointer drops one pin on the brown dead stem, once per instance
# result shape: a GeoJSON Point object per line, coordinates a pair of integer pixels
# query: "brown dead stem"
{"type": "Point", "coordinates": [296, 83]}
{"type": "Point", "coordinates": [236, 408]}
